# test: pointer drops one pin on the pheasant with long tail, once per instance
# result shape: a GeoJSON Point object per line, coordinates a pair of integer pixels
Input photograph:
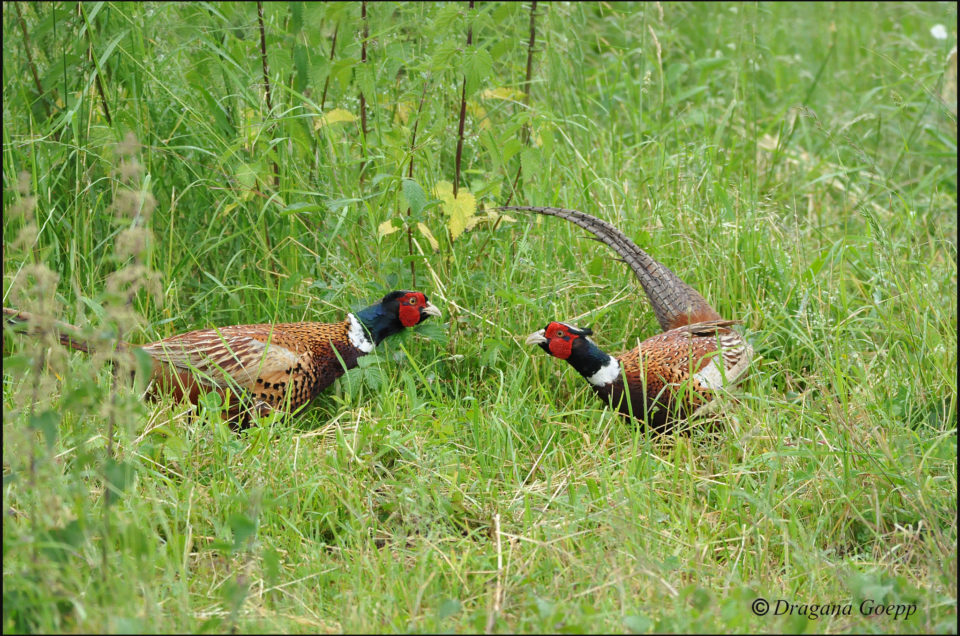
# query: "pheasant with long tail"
{"type": "Point", "coordinates": [268, 366]}
{"type": "Point", "coordinates": [670, 376]}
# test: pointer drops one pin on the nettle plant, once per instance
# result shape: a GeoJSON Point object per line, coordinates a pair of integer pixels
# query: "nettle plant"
{"type": "Point", "coordinates": [406, 97]}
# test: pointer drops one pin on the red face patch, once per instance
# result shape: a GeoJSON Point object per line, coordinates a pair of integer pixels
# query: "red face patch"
{"type": "Point", "coordinates": [410, 305]}
{"type": "Point", "coordinates": [559, 340]}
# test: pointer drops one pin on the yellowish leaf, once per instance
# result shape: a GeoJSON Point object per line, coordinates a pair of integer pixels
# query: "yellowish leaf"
{"type": "Point", "coordinates": [386, 228]}
{"type": "Point", "coordinates": [334, 116]}
{"type": "Point", "coordinates": [403, 111]}
{"type": "Point", "coordinates": [501, 93]}
{"type": "Point", "coordinates": [227, 209]}
{"type": "Point", "coordinates": [429, 236]}
{"type": "Point", "coordinates": [480, 115]}
{"type": "Point", "coordinates": [460, 209]}
{"type": "Point", "coordinates": [489, 216]}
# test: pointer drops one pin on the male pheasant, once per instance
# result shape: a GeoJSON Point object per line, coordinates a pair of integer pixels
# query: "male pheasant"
{"type": "Point", "coordinates": [271, 366]}
{"type": "Point", "coordinates": [669, 376]}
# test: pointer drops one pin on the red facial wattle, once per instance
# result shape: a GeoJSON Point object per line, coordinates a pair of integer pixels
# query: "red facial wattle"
{"type": "Point", "coordinates": [560, 348]}
{"type": "Point", "coordinates": [559, 340]}
{"type": "Point", "coordinates": [410, 313]}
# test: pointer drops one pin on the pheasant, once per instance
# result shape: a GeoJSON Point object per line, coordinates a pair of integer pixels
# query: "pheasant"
{"type": "Point", "coordinates": [670, 376]}
{"type": "Point", "coordinates": [271, 366]}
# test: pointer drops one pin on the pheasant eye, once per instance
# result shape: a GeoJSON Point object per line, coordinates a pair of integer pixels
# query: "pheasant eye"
{"type": "Point", "coordinates": [559, 333]}
{"type": "Point", "coordinates": [412, 301]}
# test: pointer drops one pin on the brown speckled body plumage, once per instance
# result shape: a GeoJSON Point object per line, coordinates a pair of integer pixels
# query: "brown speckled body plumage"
{"type": "Point", "coordinates": [264, 366]}
{"type": "Point", "coordinates": [280, 366]}
{"type": "Point", "coordinates": [669, 376]}
{"type": "Point", "coordinates": [660, 365]}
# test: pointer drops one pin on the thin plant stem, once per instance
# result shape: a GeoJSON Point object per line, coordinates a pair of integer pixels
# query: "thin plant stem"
{"type": "Point", "coordinates": [413, 143]}
{"type": "Point", "coordinates": [363, 99]}
{"type": "Point", "coordinates": [266, 83]}
{"type": "Point", "coordinates": [525, 133]}
{"type": "Point", "coordinates": [96, 66]}
{"type": "Point", "coordinates": [526, 82]}
{"type": "Point", "coordinates": [463, 115]}
{"type": "Point", "coordinates": [30, 62]}
{"type": "Point", "coordinates": [363, 60]}
{"type": "Point", "coordinates": [326, 82]}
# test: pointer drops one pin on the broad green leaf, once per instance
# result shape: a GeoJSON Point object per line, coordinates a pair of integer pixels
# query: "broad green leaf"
{"type": "Point", "coordinates": [247, 178]}
{"type": "Point", "coordinates": [271, 563]}
{"type": "Point", "coordinates": [296, 17]}
{"type": "Point", "coordinates": [300, 63]}
{"type": "Point", "coordinates": [119, 475]}
{"type": "Point", "coordinates": [448, 608]}
{"type": "Point", "coordinates": [365, 80]}
{"type": "Point", "coordinates": [373, 376]}
{"type": "Point", "coordinates": [47, 422]}
{"type": "Point", "coordinates": [434, 331]}
{"type": "Point", "coordinates": [243, 528]}
{"type": "Point", "coordinates": [319, 69]}
{"type": "Point", "coordinates": [342, 71]}
{"type": "Point", "coordinates": [637, 623]}
{"type": "Point", "coordinates": [302, 206]}
{"type": "Point", "coordinates": [530, 160]}
{"type": "Point", "coordinates": [415, 196]}
{"type": "Point", "coordinates": [477, 68]}
{"type": "Point", "coordinates": [447, 16]}
{"type": "Point", "coordinates": [460, 209]}
{"type": "Point", "coordinates": [545, 141]}
{"type": "Point", "coordinates": [443, 54]}
{"type": "Point", "coordinates": [511, 147]}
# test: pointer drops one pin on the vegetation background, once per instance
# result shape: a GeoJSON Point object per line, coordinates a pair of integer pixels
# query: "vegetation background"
{"type": "Point", "coordinates": [176, 166]}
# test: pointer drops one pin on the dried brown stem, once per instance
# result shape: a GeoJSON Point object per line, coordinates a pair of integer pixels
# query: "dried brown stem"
{"type": "Point", "coordinates": [533, 38]}
{"type": "Point", "coordinates": [363, 99]}
{"type": "Point", "coordinates": [463, 116]}
{"type": "Point", "coordinates": [525, 133]}
{"type": "Point", "coordinates": [413, 143]}
{"type": "Point", "coordinates": [363, 60]}
{"type": "Point", "coordinates": [103, 96]}
{"type": "Point", "coordinates": [526, 83]}
{"type": "Point", "coordinates": [326, 82]}
{"type": "Point", "coordinates": [513, 188]}
{"type": "Point", "coordinates": [266, 81]}
{"type": "Point", "coordinates": [30, 62]}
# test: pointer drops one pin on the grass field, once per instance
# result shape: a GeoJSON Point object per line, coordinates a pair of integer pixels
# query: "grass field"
{"type": "Point", "coordinates": [796, 163]}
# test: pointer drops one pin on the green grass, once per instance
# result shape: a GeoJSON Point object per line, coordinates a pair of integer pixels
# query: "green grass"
{"type": "Point", "coordinates": [795, 163]}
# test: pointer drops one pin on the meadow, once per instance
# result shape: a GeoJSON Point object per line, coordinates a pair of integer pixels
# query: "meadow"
{"type": "Point", "coordinates": [175, 166]}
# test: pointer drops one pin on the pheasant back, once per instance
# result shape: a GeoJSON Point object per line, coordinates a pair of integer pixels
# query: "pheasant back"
{"type": "Point", "coordinates": [671, 375]}
{"type": "Point", "coordinates": [275, 366]}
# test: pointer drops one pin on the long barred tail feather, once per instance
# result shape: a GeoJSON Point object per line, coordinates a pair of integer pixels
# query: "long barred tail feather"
{"type": "Point", "coordinates": [674, 302]}
{"type": "Point", "coordinates": [68, 335]}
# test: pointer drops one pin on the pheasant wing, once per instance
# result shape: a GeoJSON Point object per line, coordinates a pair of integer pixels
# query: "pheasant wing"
{"type": "Point", "coordinates": [239, 355]}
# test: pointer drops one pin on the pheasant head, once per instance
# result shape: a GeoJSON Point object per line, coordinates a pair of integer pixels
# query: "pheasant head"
{"type": "Point", "coordinates": [396, 310]}
{"type": "Point", "coordinates": [570, 343]}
